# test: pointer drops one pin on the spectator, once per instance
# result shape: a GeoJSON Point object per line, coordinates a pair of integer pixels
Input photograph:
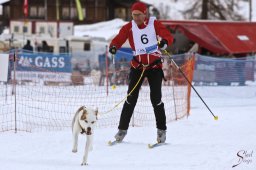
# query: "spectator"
{"type": "Point", "coordinates": [45, 47]}
{"type": "Point", "coordinates": [28, 48]}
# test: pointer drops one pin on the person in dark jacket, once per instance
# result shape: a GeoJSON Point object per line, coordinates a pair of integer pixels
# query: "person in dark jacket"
{"type": "Point", "coordinates": [45, 47]}
{"type": "Point", "coordinates": [28, 48]}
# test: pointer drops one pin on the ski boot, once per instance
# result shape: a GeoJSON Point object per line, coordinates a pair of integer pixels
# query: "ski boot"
{"type": "Point", "coordinates": [161, 136]}
{"type": "Point", "coordinates": [120, 135]}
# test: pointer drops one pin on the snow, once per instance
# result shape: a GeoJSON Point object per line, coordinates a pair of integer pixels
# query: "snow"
{"type": "Point", "coordinates": [106, 30]}
{"type": "Point", "coordinates": [194, 143]}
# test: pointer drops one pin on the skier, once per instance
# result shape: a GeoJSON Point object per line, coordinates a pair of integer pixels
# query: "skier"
{"type": "Point", "coordinates": [143, 34]}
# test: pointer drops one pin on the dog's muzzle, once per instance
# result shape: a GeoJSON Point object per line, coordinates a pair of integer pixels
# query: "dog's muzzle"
{"type": "Point", "coordinates": [88, 131]}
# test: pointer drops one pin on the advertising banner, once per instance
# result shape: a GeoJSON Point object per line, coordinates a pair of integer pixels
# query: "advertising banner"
{"type": "Point", "coordinates": [43, 66]}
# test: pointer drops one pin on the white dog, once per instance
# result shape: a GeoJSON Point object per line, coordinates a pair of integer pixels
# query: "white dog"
{"type": "Point", "coordinates": [84, 122]}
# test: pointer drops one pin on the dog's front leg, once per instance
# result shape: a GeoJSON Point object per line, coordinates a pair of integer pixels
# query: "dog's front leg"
{"type": "Point", "coordinates": [87, 148]}
{"type": "Point", "coordinates": [75, 140]}
{"type": "Point", "coordinates": [91, 141]}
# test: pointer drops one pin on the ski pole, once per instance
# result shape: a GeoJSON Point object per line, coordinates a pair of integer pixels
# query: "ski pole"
{"type": "Point", "coordinates": [114, 74]}
{"type": "Point", "coordinates": [166, 52]}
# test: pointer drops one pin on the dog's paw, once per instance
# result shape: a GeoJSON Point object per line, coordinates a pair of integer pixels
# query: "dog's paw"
{"type": "Point", "coordinates": [82, 164]}
{"type": "Point", "coordinates": [74, 150]}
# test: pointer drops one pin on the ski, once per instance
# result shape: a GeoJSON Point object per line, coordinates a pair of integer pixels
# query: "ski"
{"type": "Point", "coordinates": [150, 146]}
{"type": "Point", "coordinates": [111, 143]}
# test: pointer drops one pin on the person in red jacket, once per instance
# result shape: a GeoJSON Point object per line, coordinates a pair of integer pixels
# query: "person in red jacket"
{"type": "Point", "coordinates": [143, 34]}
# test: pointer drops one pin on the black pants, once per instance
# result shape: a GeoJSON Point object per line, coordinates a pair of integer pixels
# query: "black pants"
{"type": "Point", "coordinates": [155, 77]}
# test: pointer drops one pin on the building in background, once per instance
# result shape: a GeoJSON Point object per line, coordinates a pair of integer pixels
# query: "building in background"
{"type": "Point", "coordinates": [65, 10]}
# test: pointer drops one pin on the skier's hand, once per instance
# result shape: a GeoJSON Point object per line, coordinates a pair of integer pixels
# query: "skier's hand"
{"type": "Point", "coordinates": [112, 50]}
{"type": "Point", "coordinates": [163, 44]}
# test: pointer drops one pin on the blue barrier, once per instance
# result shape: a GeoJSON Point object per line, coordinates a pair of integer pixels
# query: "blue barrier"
{"type": "Point", "coordinates": [124, 54]}
{"type": "Point", "coordinates": [224, 71]}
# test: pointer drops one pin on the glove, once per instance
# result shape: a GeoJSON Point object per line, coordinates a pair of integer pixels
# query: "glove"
{"type": "Point", "coordinates": [163, 44]}
{"type": "Point", "coordinates": [112, 50]}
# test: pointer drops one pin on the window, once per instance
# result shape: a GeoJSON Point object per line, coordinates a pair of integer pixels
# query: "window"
{"type": "Point", "coordinates": [84, 12]}
{"type": "Point", "coordinates": [87, 46]}
{"type": "Point", "coordinates": [33, 11]}
{"type": "Point", "coordinates": [41, 12]}
{"type": "Point", "coordinates": [90, 13]}
{"type": "Point", "coordinates": [73, 13]}
{"type": "Point", "coordinates": [101, 14]}
{"type": "Point", "coordinates": [6, 11]}
{"type": "Point", "coordinates": [41, 30]}
{"type": "Point", "coordinates": [25, 29]}
{"type": "Point", "coordinates": [16, 29]}
{"type": "Point", "coordinates": [65, 13]}
{"type": "Point", "coordinates": [62, 49]}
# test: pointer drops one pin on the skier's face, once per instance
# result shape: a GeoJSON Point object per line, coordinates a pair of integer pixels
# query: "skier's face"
{"type": "Point", "coordinates": [138, 17]}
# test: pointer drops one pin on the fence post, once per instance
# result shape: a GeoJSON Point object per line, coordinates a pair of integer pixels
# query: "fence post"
{"type": "Point", "coordinates": [14, 86]}
{"type": "Point", "coordinates": [106, 59]}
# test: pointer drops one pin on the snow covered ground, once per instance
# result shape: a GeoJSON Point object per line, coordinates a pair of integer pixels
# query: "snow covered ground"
{"type": "Point", "coordinates": [194, 143]}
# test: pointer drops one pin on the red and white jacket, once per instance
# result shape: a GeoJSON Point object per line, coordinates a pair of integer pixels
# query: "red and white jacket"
{"type": "Point", "coordinates": [126, 33]}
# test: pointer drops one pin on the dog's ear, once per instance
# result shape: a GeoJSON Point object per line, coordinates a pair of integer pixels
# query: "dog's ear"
{"type": "Point", "coordinates": [80, 109]}
{"type": "Point", "coordinates": [83, 117]}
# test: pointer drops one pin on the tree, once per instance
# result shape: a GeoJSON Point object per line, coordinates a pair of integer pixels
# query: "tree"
{"type": "Point", "coordinates": [214, 9]}
{"type": "Point", "coordinates": [204, 14]}
{"type": "Point", "coordinates": [164, 11]}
